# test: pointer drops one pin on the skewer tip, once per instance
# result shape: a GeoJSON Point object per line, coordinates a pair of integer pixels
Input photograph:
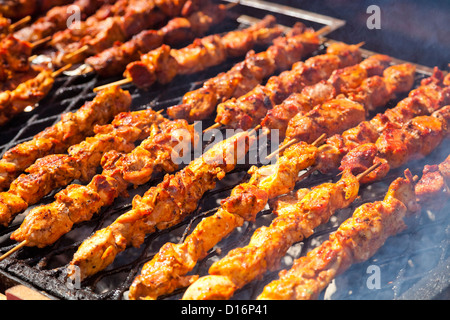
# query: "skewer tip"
{"type": "Point", "coordinates": [16, 248]}
{"type": "Point", "coordinates": [116, 83]}
{"type": "Point", "coordinates": [214, 126]}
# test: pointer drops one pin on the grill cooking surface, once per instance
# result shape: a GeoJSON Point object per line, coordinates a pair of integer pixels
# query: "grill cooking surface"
{"type": "Point", "coordinates": [408, 264]}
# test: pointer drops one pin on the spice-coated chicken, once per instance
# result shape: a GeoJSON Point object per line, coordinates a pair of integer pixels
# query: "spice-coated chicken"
{"type": "Point", "coordinates": [167, 270]}
{"type": "Point", "coordinates": [56, 19]}
{"type": "Point", "coordinates": [164, 63]}
{"type": "Point", "coordinates": [341, 81]}
{"type": "Point", "coordinates": [244, 76]}
{"type": "Point", "coordinates": [433, 188]}
{"type": "Point", "coordinates": [114, 60]}
{"type": "Point", "coordinates": [397, 145]}
{"type": "Point", "coordinates": [81, 162]}
{"type": "Point", "coordinates": [71, 129]}
{"type": "Point", "coordinates": [269, 244]}
{"type": "Point", "coordinates": [431, 95]}
{"type": "Point", "coordinates": [357, 239]}
{"type": "Point", "coordinates": [330, 117]}
{"type": "Point", "coordinates": [248, 110]}
{"type": "Point", "coordinates": [161, 206]}
{"type": "Point", "coordinates": [46, 223]}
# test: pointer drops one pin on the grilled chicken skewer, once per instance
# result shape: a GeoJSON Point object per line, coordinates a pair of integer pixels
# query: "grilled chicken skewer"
{"type": "Point", "coordinates": [114, 60]}
{"type": "Point", "coordinates": [163, 64]}
{"type": "Point", "coordinates": [81, 162]}
{"type": "Point", "coordinates": [71, 129]}
{"type": "Point", "coordinates": [118, 22]}
{"type": "Point", "coordinates": [26, 94]}
{"type": "Point", "coordinates": [399, 144]}
{"type": "Point", "coordinates": [167, 270]}
{"type": "Point", "coordinates": [161, 206]}
{"type": "Point", "coordinates": [138, 15]}
{"type": "Point", "coordinates": [248, 110]}
{"type": "Point", "coordinates": [244, 76]}
{"type": "Point", "coordinates": [430, 96]}
{"type": "Point", "coordinates": [357, 239]}
{"type": "Point", "coordinates": [47, 223]}
{"type": "Point", "coordinates": [269, 244]}
{"type": "Point", "coordinates": [26, 8]}
{"type": "Point", "coordinates": [369, 78]}
{"type": "Point", "coordinates": [56, 19]}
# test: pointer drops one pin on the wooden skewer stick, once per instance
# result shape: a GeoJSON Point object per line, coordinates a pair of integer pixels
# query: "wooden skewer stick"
{"type": "Point", "coordinates": [59, 71]}
{"type": "Point", "coordinates": [116, 83]}
{"type": "Point", "coordinates": [76, 52]}
{"type": "Point", "coordinates": [13, 27]}
{"type": "Point", "coordinates": [41, 41]}
{"type": "Point", "coordinates": [368, 170]}
{"type": "Point", "coordinates": [214, 126]}
{"type": "Point", "coordinates": [10, 252]}
{"type": "Point", "coordinates": [282, 148]}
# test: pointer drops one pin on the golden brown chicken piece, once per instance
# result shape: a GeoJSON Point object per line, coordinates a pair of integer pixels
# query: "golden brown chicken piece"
{"type": "Point", "coordinates": [397, 145]}
{"type": "Point", "coordinates": [433, 188]}
{"type": "Point", "coordinates": [244, 76]}
{"type": "Point", "coordinates": [81, 162]}
{"type": "Point", "coordinates": [71, 129]}
{"type": "Point", "coordinates": [330, 117]}
{"type": "Point", "coordinates": [424, 100]}
{"type": "Point", "coordinates": [47, 223]}
{"type": "Point", "coordinates": [248, 110]}
{"type": "Point", "coordinates": [161, 206]}
{"type": "Point", "coordinates": [167, 270]}
{"type": "Point", "coordinates": [269, 244]}
{"type": "Point", "coordinates": [341, 81]}
{"type": "Point", "coordinates": [164, 63]}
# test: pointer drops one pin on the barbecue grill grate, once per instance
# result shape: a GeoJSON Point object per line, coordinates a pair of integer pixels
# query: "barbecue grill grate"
{"type": "Point", "coordinates": [408, 262]}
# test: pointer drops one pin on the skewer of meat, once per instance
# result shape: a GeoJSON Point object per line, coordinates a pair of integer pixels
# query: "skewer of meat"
{"type": "Point", "coordinates": [357, 239]}
{"type": "Point", "coordinates": [6, 27]}
{"type": "Point", "coordinates": [247, 111]}
{"type": "Point", "coordinates": [114, 60]}
{"type": "Point", "coordinates": [388, 86]}
{"type": "Point", "coordinates": [47, 223]}
{"type": "Point", "coordinates": [269, 244]}
{"type": "Point", "coordinates": [163, 64]}
{"type": "Point", "coordinates": [27, 93]}
{"type": "Point", "coordinates": [137, 16]}
{"type": "Point", "coordinates": [26, 8]}
{"type": "Point", "coordinates": [118, 22]}
{"type": "Point", "coordinates": [397, 144]}
{"type": "Point", "coordinates": [244, 76]}
{"type": "Point", "coordinates": [369, 77]}
{"type": "Point", "coordinates": [56, 19]}
{"type": "Point", "coordinates": [71, 129]}
{"type": "Point", "coordinates": [161, 206]}
{"type": "Point", "coordinates": [432, 94]}
{"type": "Point", "coordinates": [81, 162]}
